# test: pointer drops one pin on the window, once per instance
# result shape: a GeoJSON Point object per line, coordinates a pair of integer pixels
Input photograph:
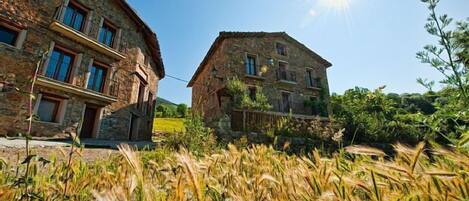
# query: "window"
{"type": "Point", "coordinates": [107, 34]}
{"type": "Point", "coordinates": [97, 78]}
{"type": "Point", "coordinates": [286, 104]}
{"type": "Point", "coordinates": [60, 65]}
{"type": "Point", "coordinates": [141, 94]}
{"type": "Point", "coordinates": [74, 16]}
{"type": "Point", "coordinates": [48, 109]}
{"type": "Point", "coordinates": [283, 73]}
{"type": "Point", "coordinates": [310, 78]}
{"type": "Point", "coordinates": [281, 49]}
{"type": "Point", "coordinates": [251, 65]}
{"type": "Point", "coordinates": [252, 93]}
{"type": "Point", "coordinates": [8, 36]}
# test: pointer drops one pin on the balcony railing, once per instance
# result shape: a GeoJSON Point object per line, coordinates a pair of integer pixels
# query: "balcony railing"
{"type": "Point", "coordinates": [314, 84]}
{"type": "Point", "coordinates": [286, 75]}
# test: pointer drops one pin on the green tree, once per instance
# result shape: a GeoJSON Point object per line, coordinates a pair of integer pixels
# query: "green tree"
{"type": "Point", "coordinates": [165, 111]}
{"type": "Point", "coordinates": [446, 56]}
{"type": "Point", "coordinates": [182, 110]}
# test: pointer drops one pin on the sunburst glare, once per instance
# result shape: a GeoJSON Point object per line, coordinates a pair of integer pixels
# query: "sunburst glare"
{"type": "Point", "coordinates": [340, 5]}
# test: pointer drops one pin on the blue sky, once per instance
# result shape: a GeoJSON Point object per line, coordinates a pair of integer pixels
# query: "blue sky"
{"type": "Point", "coordinates": [370, 43]}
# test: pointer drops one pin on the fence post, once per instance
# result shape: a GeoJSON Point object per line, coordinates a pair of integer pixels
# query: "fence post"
{"type": "Point", "coordinates": [244, 120]}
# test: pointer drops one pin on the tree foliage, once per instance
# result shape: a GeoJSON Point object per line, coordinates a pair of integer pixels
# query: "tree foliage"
{"type": "Point", "coordinates": [182, 110]}
{"type": "Point", "coordinates": [241, 99]}
{"type": "Point", "coordinates": [449, 56]}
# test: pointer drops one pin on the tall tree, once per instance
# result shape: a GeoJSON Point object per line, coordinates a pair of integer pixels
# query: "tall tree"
{"type": "Point", "coordinates": [445, 56]}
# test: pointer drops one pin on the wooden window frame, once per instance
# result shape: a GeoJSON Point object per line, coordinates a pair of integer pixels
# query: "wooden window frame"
{"type": "Point", "coordinates": [277, 48]}
{"type": "Point", "coordinates": [11, 29]}
{"type": "Point", "coordinates": [310, 77]}
{"type": "Point", "coordinates": [105, 78]}
{"type": "Point", "coordinates": [69, 78]}
{"type": "Point", "coordinates": [256, 60]}
{"type": "Point", "coordinates": [81, 7]}
{"type": "Point", "coordinates": [20, 30]}
{"type": "Point", "coordinates": [59, 110]}
{"type": "Point", "coordinates": [114, 28]}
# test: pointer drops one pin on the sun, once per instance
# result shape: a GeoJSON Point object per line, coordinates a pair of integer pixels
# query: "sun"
{"type": "Point", "coordinates": [335, 4]}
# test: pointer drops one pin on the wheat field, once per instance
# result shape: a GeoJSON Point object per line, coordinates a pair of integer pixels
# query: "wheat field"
{"type": "Point", "coordinates": [255, 173]}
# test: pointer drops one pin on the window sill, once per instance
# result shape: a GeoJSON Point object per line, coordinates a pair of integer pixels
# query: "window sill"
{"type": "Point", "coordinates": [314, 88]}
{"type": "Point", "coordinates": [85, 40]}
{"type": "Point", "coordinates": [47, 82]}
{"type": "Point", "coordinates": [9, 46]}
{"type": "Point", "coordinates": [288, 82]}
{"type": "Point", "coordinates": [255, 77]}
{"type": "Point", "coordinates": [48, 123]}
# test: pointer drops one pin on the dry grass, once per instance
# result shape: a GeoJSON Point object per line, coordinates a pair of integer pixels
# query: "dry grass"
{"type": "Point", "coordinates": [257, 173]}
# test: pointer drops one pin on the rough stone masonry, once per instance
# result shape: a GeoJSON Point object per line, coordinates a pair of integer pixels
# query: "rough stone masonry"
{"type": "Point", "coordinates": [99, 67]}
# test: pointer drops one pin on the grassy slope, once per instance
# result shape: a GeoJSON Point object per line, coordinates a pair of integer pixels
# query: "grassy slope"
{"type": "Point", "coordinates": [168, 125]}
{"type": "Point", "coordinates": [162, 101]}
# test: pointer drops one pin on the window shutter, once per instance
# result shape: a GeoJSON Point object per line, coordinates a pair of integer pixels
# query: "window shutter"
{"type": "Point", "coordinates": [101, 23]}
{"type": "Point", "coordinates": [107, 81]}
{"type": "Point", "coordinates": [49, 55]}
{"type": "Point", "coordinates": [21, 39]}
{"type": "Point", "coordinates": [117, 41]}
{"type": "Point", "coordinates": [307, 79]}
{"type": "Point", "coordinates": [62, 9]}
{"type": "Point", "coordinates": [88, 23]}
{"type": "Point", "coordinates": [76, 68]}
{"type": "Point", "coordinates": [88, 73]}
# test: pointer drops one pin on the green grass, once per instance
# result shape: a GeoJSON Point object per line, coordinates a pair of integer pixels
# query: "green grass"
{"type": "Point", "coordinates": [168, 125]}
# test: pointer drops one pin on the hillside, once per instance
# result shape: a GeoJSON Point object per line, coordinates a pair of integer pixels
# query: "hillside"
{"type": "Point", "coordinates": [162, 101]}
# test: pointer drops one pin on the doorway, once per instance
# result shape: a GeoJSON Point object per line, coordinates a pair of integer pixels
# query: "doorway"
{"type": "Point", "coordinates": [89, 122]}
{"type": "Point", "coordinates": [134, 124]}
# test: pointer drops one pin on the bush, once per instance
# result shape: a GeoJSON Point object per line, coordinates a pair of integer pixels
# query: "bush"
{"type": "Point", "coordinates": [196, 138]}
{"type": "Point", "coordinates": [164, 111]}
{"type": "Point", "coordinates": [182, 110]}
{"type": "Point", "coordinates": [373, 117]}
{"type": "Point", "coordinates": [241, 100]}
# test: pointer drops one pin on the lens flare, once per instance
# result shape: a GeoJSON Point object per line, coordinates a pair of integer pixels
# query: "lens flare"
{"type": "Point", "coordinates": [335, 4]}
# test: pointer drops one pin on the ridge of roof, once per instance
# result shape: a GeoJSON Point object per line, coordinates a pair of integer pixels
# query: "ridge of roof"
{"type": "Point", "coordinates": [149, 35]}
{"type": "Point", "coordinates": [233, 34]}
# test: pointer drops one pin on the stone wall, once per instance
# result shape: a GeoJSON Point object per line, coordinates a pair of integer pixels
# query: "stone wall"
{"type": "Point", "coordinates": [229, 61]}
{"type": "Point", "coordinates": [18, 64]}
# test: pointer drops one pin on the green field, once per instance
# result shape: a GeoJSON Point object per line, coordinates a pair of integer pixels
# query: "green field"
{"type": "Point", "coordinates": [168, 125]}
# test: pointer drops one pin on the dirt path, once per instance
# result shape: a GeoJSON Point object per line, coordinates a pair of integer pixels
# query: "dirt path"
{"type": "Point", "coordinates": [12, 155]}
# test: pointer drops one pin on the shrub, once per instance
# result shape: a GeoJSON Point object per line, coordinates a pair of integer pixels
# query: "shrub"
{"type": "Point", "coordinates": [241, 100]}
{"type": "Point", "coordinates": [182, 110]}
{"type": "Point", "coordinates": [165, 111]}
{"type": "Point", "coordinates": [196, 138]}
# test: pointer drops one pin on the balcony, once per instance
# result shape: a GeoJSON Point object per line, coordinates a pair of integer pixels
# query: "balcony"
{"type": "Point", "coordinates": [67, 87]}
{"type": "Point", "coordinates": [85, 40]}
{"type": "Point", "coordinates": [314, 84]}
{"type": "Point", "coordinates": [286, 76]}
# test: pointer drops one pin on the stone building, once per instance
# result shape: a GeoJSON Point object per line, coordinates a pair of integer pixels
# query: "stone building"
{"type": "Point", "coordinates": [98, 66]}
{"type": "Point", "coordinates": [290, 74]}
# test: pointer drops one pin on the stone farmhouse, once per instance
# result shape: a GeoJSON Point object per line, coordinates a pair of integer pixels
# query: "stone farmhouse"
{"type": "Point", "coordinates": [98, 69]}
{"type": "Point", "coordinates": [290, 74]}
